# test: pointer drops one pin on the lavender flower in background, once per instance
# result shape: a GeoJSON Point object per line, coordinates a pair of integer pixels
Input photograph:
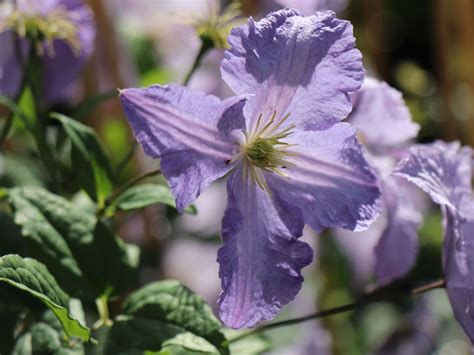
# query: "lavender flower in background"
{"type": "Point", "coordinates": [291, 161]}
{"type": "Point", "coordinates": [384, 120]}
{"type": "Point", "coordinates": [61, 32]}
{"type": "Point", "coordinates": [444, 171]}
{"type": "Point", "coordinates": [386, 129]}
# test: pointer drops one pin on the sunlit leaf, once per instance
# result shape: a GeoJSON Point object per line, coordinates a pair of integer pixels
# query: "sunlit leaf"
{"type": "Point", "coordinates": [163, 314]}
{"type": "Point", "coordinates": [82, 252]}
{"type": "Point", "coordinates": [32, 277]}
{"type": "Point", "coordinates": [90, 162]}
{"type": "Point", "coordinates": [252, 344]}
{"type": "Point", "coordinates": [144, 195]}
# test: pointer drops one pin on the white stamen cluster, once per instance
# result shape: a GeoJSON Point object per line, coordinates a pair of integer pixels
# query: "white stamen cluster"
{"type": "Point", "coordinates": [264, 149]}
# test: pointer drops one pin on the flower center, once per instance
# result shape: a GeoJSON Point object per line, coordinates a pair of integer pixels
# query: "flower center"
{"type": "Point", "coordinates": [264, 149]}
{"type": "Point", "coordinates": [44, 29]}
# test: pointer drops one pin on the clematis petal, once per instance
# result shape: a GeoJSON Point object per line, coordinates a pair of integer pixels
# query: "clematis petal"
{"type": "Point", "coordinates": [382, 116]}
{"type": "Point", "coordinates": [443, 170]}
{"type": "Point", "coordinates": [458, 257]}
{"type": "Point", "coordinates": [189, 130]}
{"type": "Point", "coordinates": [401, 231]}
{"type": "Point", "coordinates": [329, 179]}
{"type": "Point", "coordinates": [61, 69]}
{"type": "Point", "coordinates": [261, 259]}
{"type": "Point", "coordinates": [304, 66]}
{"type": "Point", "coordinates": [37, 6]}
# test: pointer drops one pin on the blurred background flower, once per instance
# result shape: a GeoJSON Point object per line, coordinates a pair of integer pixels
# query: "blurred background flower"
{"type": "Point", "coordinates": [59, 34]}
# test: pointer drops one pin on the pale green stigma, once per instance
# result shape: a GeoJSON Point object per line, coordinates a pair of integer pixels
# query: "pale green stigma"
{"type": "Point", "coordinates": [215, 27]}
{"type": "Point", "coordinates": [264, 149]}
{"type": "Point", "coordinates": [44, 29]}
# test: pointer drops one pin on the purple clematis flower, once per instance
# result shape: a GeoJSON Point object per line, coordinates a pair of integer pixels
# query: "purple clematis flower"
{"type": "Point", "coordinates": [68, 32]}
{"type": "Point", "coordinates": [289, 159]}
{"type": "Point", "coordinates": [382, 117]}
{"type": "Point", "coordinates": [386, 129]}
{"type": "Point", "coordinates": [444, 171]}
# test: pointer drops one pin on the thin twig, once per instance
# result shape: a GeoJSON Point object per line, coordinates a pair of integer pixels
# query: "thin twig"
{"type": "Point", "coordinates": [125, 187]}
{"type": "Point", "coordinates": [124, 162]}
{"type": "Point", "coordinates": [205, 47]}
{"type": "Point", "coordinates": [368, 299]}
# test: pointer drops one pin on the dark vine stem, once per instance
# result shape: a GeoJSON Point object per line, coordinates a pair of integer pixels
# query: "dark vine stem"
{"type": "Point", "coordinates": [373, 297]}
{"type": "Point", "coordinates": [39, 130]}
{"type": "Point", "coordinates": [206, 45]}
{"type": "Point", "coordinates": [121, 166]}
{"type": "Point", "coordinates": [125, 187]}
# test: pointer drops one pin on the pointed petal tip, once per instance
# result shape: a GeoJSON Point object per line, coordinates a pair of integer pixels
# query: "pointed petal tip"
{"type": "Point", "coordinates": [126, 95]}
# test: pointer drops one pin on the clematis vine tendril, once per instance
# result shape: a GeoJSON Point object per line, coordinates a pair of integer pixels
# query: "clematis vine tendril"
{"type": "Point", "coordinates": [374, 297]}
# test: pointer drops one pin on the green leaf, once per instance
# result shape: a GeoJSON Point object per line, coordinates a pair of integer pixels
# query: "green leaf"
{"type": "Point", "coordinates": [45, 338]}
{"type": "Point", "coordinates": [82, 252]}
{"type": "Point", "coordinates": [13, 107]}
{"type": "Point", "coordinates": [21, 170]}
{"type": "Point", "coordinates": [249, 345]}
{"type": "Point", "coordinates": [144, 195]}
{"type": "Point", "coordinates": [27, 104]}
{"type": "Point", "coordinates": [173, 315]}
{"type": "Point", "coordinates": [32, 277]}
{"type": "Point", "coordinates": [138, 335]}
{"type": "Point", "coordinates": [89, 160]}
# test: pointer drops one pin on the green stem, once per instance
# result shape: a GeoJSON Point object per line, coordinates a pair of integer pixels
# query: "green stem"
{"type": "Point", "coordinates": [125, 187]}
{"type": "Point", "coordinates": [9, 123]}
{"type": "Point", "coordinates": [124, 162]}
{"type": "Point", "coordinates": [373, 297]}
{"type": "Point", "coordinates": [206, 45]}
{"type": "Point", "coordinates": [103, 309]}
{"type": "Point", "coordinates": [39, 130]}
